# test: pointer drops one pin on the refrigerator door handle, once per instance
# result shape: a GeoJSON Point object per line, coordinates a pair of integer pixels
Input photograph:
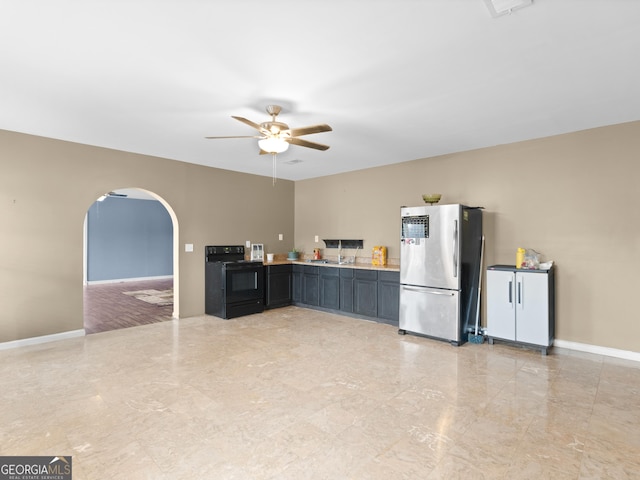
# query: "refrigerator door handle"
{"type": "Point", "coordinates": [455, 248]}
{"type": "Point", "coordinates": [422, 290]}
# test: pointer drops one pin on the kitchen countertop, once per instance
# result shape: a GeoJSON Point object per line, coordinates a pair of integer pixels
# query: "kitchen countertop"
{"type": "Point", "coordinates": [357, 266]}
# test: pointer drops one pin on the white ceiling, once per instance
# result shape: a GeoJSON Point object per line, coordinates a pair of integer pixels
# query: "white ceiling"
{"type": "Point", "coordinates": [396, 79]}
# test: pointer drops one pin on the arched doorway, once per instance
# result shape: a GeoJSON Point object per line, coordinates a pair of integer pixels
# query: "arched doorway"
{"type": "Point", "coordinates": [130, 248]}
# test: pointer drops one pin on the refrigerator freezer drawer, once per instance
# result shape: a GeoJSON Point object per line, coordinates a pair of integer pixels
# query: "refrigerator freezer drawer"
{"type": "Point", "coordinates": [431, 311]}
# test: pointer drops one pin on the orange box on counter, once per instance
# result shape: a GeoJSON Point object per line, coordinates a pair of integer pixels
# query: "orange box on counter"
{"type": "Point", "coordinates": [379, 256]}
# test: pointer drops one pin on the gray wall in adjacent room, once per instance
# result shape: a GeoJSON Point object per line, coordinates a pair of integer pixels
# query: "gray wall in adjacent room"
{"type": "Point", "coordinates": [128, 238]}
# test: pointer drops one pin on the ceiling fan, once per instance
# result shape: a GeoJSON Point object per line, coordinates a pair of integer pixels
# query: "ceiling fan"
{"type": "Point", "coordinates": [275, 137]}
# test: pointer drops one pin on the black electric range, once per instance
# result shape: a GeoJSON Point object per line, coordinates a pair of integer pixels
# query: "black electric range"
{"type": "Point", "coordinates": [233, 286]}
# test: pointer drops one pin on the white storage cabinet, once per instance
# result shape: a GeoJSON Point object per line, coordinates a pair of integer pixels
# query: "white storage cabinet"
{"type": "Point", "coordinates": [521, 306]}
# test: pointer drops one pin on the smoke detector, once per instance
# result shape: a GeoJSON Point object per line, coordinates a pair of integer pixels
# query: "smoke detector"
{"type": "Point", "coordinates": [497, 8]}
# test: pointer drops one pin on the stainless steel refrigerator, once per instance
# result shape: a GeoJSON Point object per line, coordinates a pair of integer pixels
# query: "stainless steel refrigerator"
{"type": "Point", "coordinates": [440, 251]}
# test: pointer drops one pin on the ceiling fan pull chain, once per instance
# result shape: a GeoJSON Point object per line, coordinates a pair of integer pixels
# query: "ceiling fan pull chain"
{"type": "Point", "coordinates": [273, 158]}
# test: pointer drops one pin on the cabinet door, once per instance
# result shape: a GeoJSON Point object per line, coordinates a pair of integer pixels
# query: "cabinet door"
{"type": "Point", "coordinates": [365, 293]}
{"type": "Point", "coordinates": [389, 296]}
{"type": "Point", "coordinates": [297, 283]}
{"type": "Point", "coordinates": [311, 286]}
{"type": "Point", "coordinates": [501, 312]}
{"type": "Point", "coordinates": [532, 308]}
{"type": "Point", "coordinates": [330, 288]}
{"type": "Point", "coordinates": [346, 290]}
{"type": "Point", "coordinates": [278, 285]}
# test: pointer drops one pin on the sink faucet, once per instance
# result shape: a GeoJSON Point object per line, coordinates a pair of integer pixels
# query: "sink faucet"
{"type": "Point", "coordinates": [344, 259]}
{"type": "Point", "coordinates": [353, 259]}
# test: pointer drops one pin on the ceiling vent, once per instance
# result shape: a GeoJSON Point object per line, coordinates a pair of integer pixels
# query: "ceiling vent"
{"type": "Point", "coordinates": [497, 8]}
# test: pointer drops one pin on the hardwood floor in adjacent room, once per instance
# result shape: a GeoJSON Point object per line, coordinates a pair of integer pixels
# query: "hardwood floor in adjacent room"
{"type": "Point", "coordinates": [106, 307]}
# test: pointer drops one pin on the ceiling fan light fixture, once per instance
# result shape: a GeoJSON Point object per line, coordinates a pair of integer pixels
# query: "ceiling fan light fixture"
{"type": "Point", "coordinates": [273, 145]}
{"type": "Point", "coordinates": [497, 8]}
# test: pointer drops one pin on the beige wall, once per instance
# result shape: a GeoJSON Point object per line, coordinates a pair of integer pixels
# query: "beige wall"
{"type": "Point", "coordinates": [46, 188]}
{"type": "Point", "coordinates": [573, 197]}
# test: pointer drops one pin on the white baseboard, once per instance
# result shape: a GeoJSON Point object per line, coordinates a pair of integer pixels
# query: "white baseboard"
{"type": "Point", "coordinates": [43, 339]}
{"type": "Point", "coordinates": [606, 351]}
{"type": "Point", "coordinates": [122, 280]}
{"type": "Point", "coordinates": [580, 347]}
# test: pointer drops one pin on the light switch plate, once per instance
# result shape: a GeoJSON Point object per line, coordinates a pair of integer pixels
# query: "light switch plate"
{"type": "Point", "coordinates": [316, 238]}
{"type": "Point", "coordinates": [280, 236]}
{"type": "Point", "coordinates": [248, 243]}
{"type": "Point", "coordinates": [188, 247]}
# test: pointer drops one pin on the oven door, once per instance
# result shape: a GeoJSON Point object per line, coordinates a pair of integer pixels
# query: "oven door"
{"type": "Point", "coordinates": [243, 282]}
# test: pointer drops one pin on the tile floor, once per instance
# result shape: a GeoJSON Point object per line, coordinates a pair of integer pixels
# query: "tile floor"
{"type": "Point", "coordinates": [302, 394]}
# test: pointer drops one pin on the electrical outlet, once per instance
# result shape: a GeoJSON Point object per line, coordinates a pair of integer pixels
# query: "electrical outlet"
{"type": "Point", "coordinates": [188, 247]}
{"type": "Point", "coordinates": [316, 238]}
{"type": "Point", "coordinates": [280, 236]}
{"type": "Point", "coordinates": [248, 243]}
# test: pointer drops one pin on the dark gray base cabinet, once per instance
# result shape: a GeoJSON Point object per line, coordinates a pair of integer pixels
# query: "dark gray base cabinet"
{"type": "Point", "coordinates": [389, 296]}
{"type": "Point", "coordinates": [365, 293]}
{"type": "Point", "coordinates": [369, 294]}
{"type": "Point", "coordinates": [346, 290]}
{"type": "Point", "coordinates": [297, 283]}
{"type": "Point", "coordinates": [306, 285]}
{"type": "Point", "coordinates": [330, 288]}
{"type": "Point", "coordinates": [278, 285]}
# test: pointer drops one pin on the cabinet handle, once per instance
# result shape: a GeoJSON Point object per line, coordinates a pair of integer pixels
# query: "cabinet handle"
{"type": "Point", "coordinates": [511, 292]}
{"type": "Point", "coordinates": [519, 293]}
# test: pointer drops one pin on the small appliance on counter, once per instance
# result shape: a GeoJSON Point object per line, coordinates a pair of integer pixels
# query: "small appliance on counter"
{"type": "Point", "coordinates": [257, 252]}
{"type": "Point", "coordinates": [233, 286]}
{"type": "Point", "coordinates": [316, 254]}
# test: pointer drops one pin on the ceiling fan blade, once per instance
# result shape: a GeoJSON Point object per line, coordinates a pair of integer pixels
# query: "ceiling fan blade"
{"type": "Point", "coordinates": [305, 143]}
{"type": "Point", "coordinates": [249, 122]}
{"type": "Point", "coordinates": [238, 136]}
{"type": "Point", "coordinates": [298, 132]}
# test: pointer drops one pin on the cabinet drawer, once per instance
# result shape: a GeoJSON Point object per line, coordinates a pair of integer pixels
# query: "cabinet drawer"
{"type": "Point", "coordinates": [346, 272]}
{"type": "Point", "coordinates": [309, 270]}
{"type": "Point", "coordinates": [271, 269]}
{"type": "Point", "coordinates": [329, 271]}
{"type": "Point", "coordinates": [366, 274]}
{"type": "Point", "coordinates": [389, 277]}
